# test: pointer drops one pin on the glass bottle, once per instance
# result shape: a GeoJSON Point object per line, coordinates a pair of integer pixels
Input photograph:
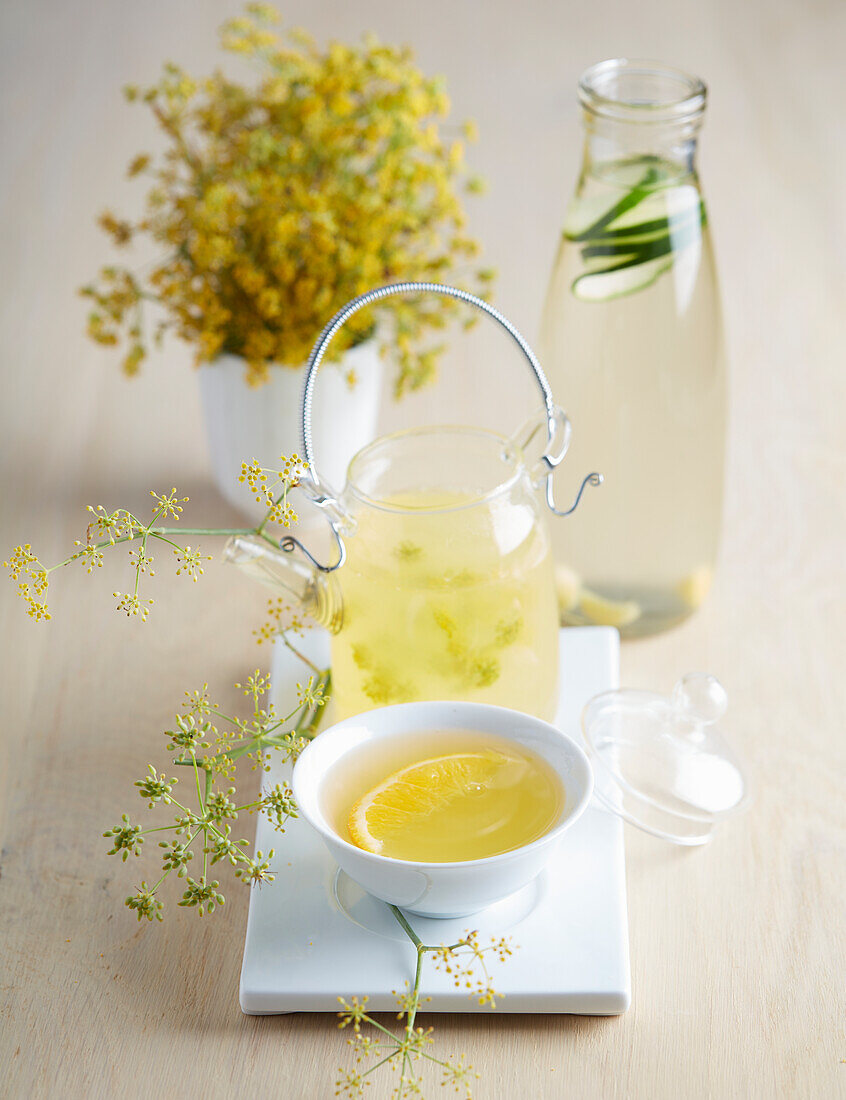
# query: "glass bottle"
{"type": "Point", "coordinates": [632, 344]}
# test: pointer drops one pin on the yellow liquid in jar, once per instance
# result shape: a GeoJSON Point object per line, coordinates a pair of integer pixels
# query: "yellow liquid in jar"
{"type": "Point", "coordinates": [452, 604]}
{"type": "Point", "coordinates": [516, 800]}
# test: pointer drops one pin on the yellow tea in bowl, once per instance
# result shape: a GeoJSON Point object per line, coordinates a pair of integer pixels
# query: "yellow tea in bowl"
{"type": "Point", "coordinates": [443, 797]}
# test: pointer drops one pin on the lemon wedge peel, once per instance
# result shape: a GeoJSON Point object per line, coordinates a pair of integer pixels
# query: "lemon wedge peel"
{"type": "Point", "coordinates": [573, 596]}
{"type": "Point", "coordinates": [605, 612]}
{"type": "Point", "coordinates": [695, 587]}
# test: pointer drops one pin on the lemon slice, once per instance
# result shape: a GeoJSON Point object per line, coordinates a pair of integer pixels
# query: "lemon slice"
{"type": "Point", "coordinates": [608, 612]}
{"type": "Point", "coordinates": [404, 799]}
{"type": "Point", "coordinates": [694, 588]}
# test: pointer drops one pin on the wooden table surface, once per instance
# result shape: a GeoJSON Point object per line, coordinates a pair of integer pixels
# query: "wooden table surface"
{"type": "Point", "coordinates": [737, 949]}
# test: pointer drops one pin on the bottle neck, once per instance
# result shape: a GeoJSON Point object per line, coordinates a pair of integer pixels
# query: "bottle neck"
{"type": "Point", "coordinates": [608, 144]}
{"type": "Point", "coordinates": [640, 111]}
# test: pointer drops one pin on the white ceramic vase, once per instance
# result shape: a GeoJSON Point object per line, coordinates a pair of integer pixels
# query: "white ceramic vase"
{"type": "Point", "coordinates": [243, 422]}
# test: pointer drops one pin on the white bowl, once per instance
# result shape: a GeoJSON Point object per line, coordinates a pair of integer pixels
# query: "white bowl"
{"type": "Point", "coordinates": [441, 889]}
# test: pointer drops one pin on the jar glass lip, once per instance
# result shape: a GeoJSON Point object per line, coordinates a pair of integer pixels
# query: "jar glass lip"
{"type": "Point", "coordinates": [633, 90]}
{"type": "Point", "coordinates": [499, 464]}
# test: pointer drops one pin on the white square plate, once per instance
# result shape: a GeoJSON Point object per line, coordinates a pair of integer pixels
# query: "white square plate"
{"type": "Point", "coordinates": [313, 935]}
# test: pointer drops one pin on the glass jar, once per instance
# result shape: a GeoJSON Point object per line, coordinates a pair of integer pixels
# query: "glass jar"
{"type": "Point", "coordinates": [445, 588]}
{"type": "Point", "coordinates": [632, 343]}
{"type": "Point", "coordinates": [448, 585]}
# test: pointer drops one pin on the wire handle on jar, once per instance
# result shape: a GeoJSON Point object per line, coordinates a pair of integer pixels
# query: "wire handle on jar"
{"type": "Point", "coordinates": [550, 458]}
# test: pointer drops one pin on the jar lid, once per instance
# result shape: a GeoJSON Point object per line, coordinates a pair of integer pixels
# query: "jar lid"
{"type": "Point", "coordinates": [660, 762]}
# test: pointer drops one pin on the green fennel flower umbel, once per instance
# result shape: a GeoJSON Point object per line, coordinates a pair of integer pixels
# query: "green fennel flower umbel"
{"type": "Point", "coordinates": [208, 743]}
